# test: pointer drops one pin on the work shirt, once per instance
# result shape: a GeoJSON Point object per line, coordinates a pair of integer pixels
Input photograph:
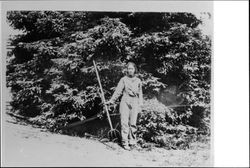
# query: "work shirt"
{"type": "Point", "coordinates": [130, 89]}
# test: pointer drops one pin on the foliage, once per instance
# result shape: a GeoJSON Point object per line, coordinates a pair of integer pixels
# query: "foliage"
{"type": "Point", "coordinates": [162, 125]}
{"type": "Point", "coordinates": [53, 82]}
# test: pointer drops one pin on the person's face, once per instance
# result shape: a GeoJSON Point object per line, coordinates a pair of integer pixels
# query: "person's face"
{"type": "Point", "coordinates": [131, 70]}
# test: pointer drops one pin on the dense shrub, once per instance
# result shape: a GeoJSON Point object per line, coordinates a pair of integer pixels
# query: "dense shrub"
{"type": "Point", "coordinates": [52, 79]}
{"type": "Point", "coordinates": [162, 125]}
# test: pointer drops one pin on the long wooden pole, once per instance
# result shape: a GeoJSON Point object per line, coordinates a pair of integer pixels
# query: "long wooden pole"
{"type": "Point", "coordinates": [102, 95]}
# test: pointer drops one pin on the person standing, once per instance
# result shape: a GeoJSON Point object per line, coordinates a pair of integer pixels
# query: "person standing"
{"type": "Point", "coordinates": [130, 88]}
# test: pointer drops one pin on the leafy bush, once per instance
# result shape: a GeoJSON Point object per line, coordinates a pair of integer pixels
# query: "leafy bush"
{"type": "Point", "coordinates": [28, 102]}
{"type": "Point", "coordinates": [161, 125]}
{"type": "Point", "coordinates": [52, 78]}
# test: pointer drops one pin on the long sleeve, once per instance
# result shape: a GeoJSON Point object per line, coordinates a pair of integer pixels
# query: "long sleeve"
{"type": "Point", "coordinates": [140, 94]}
{"type": "Point", "coordinates": [118, 91]}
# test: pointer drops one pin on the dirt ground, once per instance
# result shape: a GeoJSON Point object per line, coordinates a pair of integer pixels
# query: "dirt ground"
{"type": "Point", "coordinates": [24, 145]}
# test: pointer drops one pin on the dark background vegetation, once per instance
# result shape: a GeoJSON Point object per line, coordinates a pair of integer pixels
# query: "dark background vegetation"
{"type": "Point", "coordinates": [52, 79]}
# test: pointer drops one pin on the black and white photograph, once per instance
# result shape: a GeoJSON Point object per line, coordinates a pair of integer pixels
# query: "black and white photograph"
{"type": "Point", "coordinates": [107, 88]}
